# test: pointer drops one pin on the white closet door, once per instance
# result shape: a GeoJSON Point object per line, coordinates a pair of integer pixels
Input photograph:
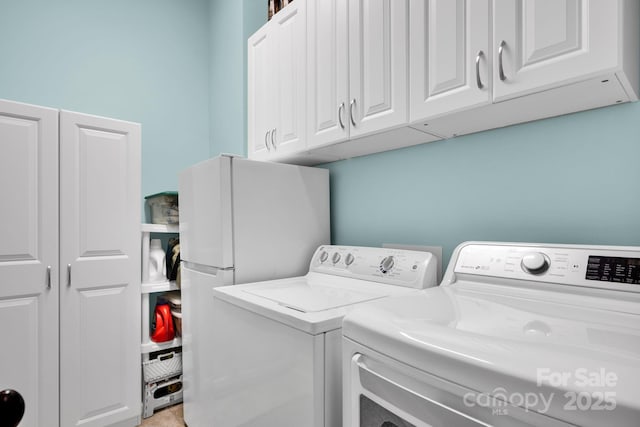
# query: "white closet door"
{"type": "Point", "coordinates": [548, 42]}
{"type": "Point", "coordinates": [100, 270]}
{"type": "Point", "coordinates": [378, 63]}
{"type": "Point", "coordinates": [28, 247]}
{"type": "Point", "coordinates": [328, 71]}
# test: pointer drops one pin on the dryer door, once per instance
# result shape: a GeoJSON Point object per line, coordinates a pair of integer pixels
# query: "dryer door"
{"type": "Point", "coordinates": [381, 392]}
{"type": "Point", "coordinates": [382, 402]}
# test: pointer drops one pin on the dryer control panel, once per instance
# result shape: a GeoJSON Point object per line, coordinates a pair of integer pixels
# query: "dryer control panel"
{"type": "Point", "coordinates": [604, 267]}
{"type": "Point", "coordinates": [400, 267]}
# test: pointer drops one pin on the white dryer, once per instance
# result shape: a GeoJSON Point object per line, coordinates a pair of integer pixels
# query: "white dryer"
{"type": "Point", "coordinates": [277, 356]}
{"type": "Point", "coordinates": [516, 335]}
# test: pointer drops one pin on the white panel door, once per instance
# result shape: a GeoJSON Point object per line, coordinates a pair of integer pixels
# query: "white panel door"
{"type": "Point", "coordinates": [100, 270]}
{"type": "Point", "coordinates": [449, 58]}
{"type": "Point", "coordinates": [546, 43]}
{"type": "Point", "coordinates": [260, 90]}
{"type": "Point", "coordinates": [328, 71]}
{"type": "Point", "coordinates": [378, 62]}
{"type": "Point", "coordinates": [29, 258]}
{"type": "Point", "coordinates": [290, 60]}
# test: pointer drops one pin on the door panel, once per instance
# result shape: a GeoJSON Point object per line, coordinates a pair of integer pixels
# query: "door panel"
{"type": "Point", "coordinates": [29, 230]}
{"type": "Point", "coordinates": [560, 35]}
{"type": "Point", "coordinates": [290, 38]}
{"type": "Point", "coordinates": [100, 259]}
{"type": "Point", "coordinates": [328, 70]}
{"type": "Point", "coordinates": [548, 43]}
{"type": "Point", "coordinates": [448, 30]}
{"type": "Point", "coordinates": [378, 62]}
{"type": "Point", "coordinates": [260, 91]}
{"type": "Point", "coordinates": [447, 38]}
{"type": "Point", "coordinates": [110, 343]}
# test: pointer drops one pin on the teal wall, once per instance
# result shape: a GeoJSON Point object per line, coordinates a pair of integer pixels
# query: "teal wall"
{"type": "Point", "coordinates": [227, 96]}
{"type": "Point", "coordinates": [145, 61]}
{"type": "Point", "coordinates": [569, 179]}
{"type": "Point", "coordinates": [232, 22]}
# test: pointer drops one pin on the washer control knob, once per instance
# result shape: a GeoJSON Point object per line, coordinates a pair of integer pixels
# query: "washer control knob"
{"type": "Point", "coordinates": [348, 260]}
{"type": "Point", "coordinates": [387, 264]}
{"type": "Point", "coordinates": [335, 258]}
{"type": "Point", "coordinates": [323, 256]}
{"type": "Point", "coordinates": [535, 263]}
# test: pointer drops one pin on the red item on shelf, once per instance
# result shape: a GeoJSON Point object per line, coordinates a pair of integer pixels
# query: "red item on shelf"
{"type": "Point", "coordinates": [163, 330]}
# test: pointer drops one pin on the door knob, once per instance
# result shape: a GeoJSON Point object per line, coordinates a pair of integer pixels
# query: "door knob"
{"type": "Point", "coordinates": [11, 408]}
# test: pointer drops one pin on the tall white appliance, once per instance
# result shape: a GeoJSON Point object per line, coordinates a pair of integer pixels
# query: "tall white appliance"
{"type": "Point", "coordinates": [240, 221]}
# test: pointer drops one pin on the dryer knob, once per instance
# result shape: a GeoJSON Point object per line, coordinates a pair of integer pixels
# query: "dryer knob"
{"type": "Point", "coordinates": [535, 263]}
{"type": "Point", "coordinates": [387, 264]}
{"type": "Point", "coordinates": [335, 258]}
{"type": "Point", "coordinates": [348, 260]}
{"type": "Point", "coordinates": [323, 256]}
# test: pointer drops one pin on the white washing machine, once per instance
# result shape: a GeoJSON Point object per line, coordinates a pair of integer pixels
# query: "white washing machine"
{"type": "Point", "coordinates": [277, 357]}
{"type": "Point", "coordinates": [516, 335]}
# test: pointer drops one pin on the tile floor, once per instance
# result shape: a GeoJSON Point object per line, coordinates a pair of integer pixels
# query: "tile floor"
{"type": "Point", "coordinates": [167, 417]}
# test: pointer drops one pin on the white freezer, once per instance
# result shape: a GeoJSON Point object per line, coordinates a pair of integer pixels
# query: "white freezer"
{"type": "Point", "coordinates": [240, 221]}
{"type": "Point", "coordinates": [262, 219]}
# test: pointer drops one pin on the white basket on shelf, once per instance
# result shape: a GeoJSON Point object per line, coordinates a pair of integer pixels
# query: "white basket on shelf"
{"type": "Point", "coordinates": [165, 365]}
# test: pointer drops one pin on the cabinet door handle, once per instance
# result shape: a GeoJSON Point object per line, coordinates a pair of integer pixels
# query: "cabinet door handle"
{"type": "Point", "coordinates": [266, 140]}
{"type": "Point", "coordinates": [48, 277]}
{"type": "Point", "coordinates": [351, 105]}
{"type": "Point", "coordinates": [340, 112]}
{"type": "Point", "coordinates": [500, 65]}
{"type": "Point", "coordinates": [68, 274]}
{"type": "Point", "coordinates": [478, 79]}
{"type": "Point", "coordinates": [273, 140]}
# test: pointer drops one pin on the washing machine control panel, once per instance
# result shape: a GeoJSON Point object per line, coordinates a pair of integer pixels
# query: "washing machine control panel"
{"type": "Point", "coordinates": [606, 267]}
{"type": "Point", "coordinates": [400, 267]}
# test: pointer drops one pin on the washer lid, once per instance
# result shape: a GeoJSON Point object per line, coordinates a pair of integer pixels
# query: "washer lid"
{"type": "Point", "coordinates": [309, 298]}
{"type": "Point", "coordinates": [315, 303]}
{"type": "Point", "coordinates": [513, 346]}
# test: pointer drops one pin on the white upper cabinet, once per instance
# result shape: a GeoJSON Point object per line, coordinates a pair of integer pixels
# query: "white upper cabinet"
{"type": "Point", "coordinates": [357, 67]}
{"type": "Point", "coordinates": [328, 72]}
{"type": "Point", "coordinates": [544, 43]}
{"type": "Point", "coordinates": [378, 65]}
{"type": "Point", "coordinates": [29, 258]}
{"type": "Point", "coordinates": [450, 56]}
{"type": "Point", "coordinates": [261, 93]}
{"type": "Point", "coordinates": [545, 58]}
{"type": "Point", "coordinates": [384, 74]}
{"type": "Point", "coordinates": [100, 270]}
{"type": "Point", "coordinates": [276, 72]}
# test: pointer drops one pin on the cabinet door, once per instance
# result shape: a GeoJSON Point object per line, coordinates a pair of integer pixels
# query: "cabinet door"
{"type": "Point", "coordinates": [260, 90]}
{"type": "Point", "coordinates": [29, 258]}
{"type": "Point", "coordinates": [547, 43]}
{"type": "Point", "coordinates": [290, 60]}
{"type": "Point", "coordinates": [328, 71]}
{"type": "Point", "coordinates": [378, 63]}
{"type": "Point", "coordinates": [100, 270]}
{"type": "Point", "coordinates": [449, 56]}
